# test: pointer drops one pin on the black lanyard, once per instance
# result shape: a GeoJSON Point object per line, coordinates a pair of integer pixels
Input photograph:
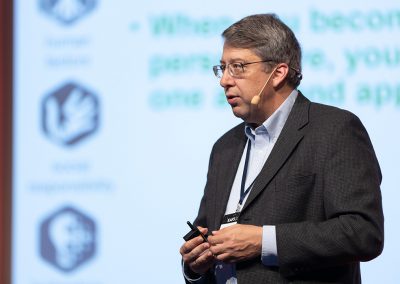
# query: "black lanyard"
{"type": "Point", "coordinates": [243, 192]}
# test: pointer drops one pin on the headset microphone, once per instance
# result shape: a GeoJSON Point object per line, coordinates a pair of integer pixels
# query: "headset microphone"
{"type": "Point", "coordinates": [256, 99]}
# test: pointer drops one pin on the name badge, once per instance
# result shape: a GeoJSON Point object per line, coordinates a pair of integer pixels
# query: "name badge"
{"type": "Point", "coordinates": [230, 219]}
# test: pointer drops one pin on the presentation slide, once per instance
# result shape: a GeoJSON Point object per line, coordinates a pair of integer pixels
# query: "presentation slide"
{"type": "Point", "coordinates": [116, 108]}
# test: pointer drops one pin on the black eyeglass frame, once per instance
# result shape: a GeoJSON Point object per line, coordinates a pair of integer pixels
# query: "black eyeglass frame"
{"type": "Point", "coordinates": [221, 67]}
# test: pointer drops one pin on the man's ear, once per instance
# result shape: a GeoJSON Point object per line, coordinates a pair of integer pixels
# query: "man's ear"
{"type": "Point", "coordinates": [280, 74]}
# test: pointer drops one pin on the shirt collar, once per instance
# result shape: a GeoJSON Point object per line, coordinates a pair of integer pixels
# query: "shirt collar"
{"type": "Point", "coordinates": [274, 124]}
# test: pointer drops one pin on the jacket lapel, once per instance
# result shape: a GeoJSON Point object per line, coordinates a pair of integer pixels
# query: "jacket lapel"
{"type": "Point", "coordinates": [230, 159]}
{"type": "Point", "coordinates": [291, 135]}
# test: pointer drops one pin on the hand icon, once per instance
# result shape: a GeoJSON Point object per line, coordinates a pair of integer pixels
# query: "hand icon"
{"type": "Point", "coordinates": [71, 119]}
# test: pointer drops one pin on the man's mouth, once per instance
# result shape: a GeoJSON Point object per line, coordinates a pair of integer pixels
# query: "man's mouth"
{"type": "Point", "coordinates": [232, 99]}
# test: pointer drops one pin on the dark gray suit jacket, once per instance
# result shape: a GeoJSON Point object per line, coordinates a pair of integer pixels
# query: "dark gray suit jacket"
{"type": "Point", "coordinates": [321, 188]}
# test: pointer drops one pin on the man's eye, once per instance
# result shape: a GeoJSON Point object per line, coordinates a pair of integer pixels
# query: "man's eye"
{"type": "Point", "coordinates": [237, 66]}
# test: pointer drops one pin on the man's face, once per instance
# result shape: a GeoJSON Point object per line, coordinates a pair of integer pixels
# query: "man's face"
{"type": "Point", "coordinates": [240, 90]}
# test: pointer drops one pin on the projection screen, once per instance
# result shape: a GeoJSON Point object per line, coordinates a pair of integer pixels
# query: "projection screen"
{"type": "Point", "coordinates": [116, 108]}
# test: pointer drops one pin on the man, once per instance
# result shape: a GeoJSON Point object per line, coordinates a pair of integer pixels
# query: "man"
{"type": "Point", "coordinates": [293, 193]}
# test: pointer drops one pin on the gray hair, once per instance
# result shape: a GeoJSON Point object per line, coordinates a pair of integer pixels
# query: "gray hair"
{"type": "Point", "coordinates": [270, 39]}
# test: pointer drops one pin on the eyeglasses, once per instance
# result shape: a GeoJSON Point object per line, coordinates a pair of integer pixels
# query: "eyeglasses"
{"type": "Point", "coordinates": [235, 69]}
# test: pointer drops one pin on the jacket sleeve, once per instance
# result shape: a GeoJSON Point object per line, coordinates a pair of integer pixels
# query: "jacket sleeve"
{"type": "Point", "coordinates": [201, 220]}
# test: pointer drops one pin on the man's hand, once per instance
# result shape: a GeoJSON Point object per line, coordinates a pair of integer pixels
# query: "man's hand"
{"type": "Point", "coordinates": [196, 254]}
{"type": "Point", "coordinates": [236, 243]}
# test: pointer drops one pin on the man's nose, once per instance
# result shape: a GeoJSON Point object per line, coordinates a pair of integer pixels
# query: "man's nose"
{"type": "Point", "coordinates": [226, 79]}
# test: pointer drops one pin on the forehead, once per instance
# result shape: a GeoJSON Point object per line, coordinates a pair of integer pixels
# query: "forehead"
{"type": "Point", "coordinates": [233, 54]}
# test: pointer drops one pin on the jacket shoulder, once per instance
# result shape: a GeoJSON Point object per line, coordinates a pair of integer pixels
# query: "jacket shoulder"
{"type": "Point", "coordinates": [326, 113]}
{"type": "Point", "coordinates": [231, 136]}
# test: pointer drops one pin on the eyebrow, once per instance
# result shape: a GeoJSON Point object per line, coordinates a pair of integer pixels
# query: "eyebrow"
{"type": "Point", "coordinates": [233, 60]}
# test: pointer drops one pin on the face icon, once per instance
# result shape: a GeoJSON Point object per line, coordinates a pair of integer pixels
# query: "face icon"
{"type": "Point", "coordinates": [68, 239]}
